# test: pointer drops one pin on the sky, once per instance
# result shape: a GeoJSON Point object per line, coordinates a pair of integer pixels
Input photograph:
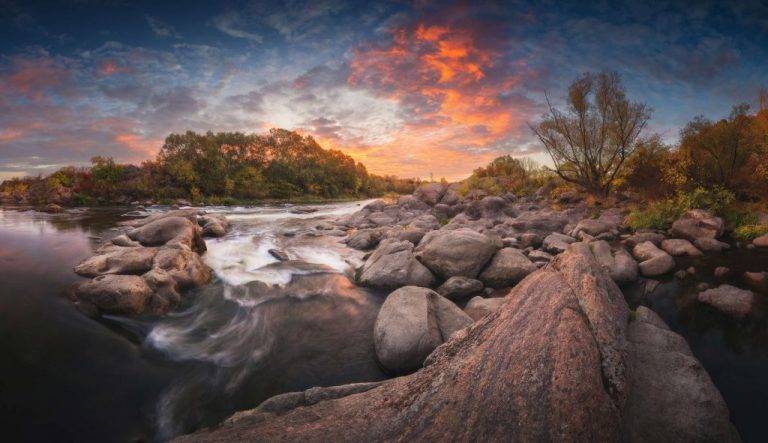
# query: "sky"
{"type": "Point", "coordinates": [414, 89]}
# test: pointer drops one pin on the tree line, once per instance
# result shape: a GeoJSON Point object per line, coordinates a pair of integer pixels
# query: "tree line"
{"type": "Point", "coordinates": [225, 167]}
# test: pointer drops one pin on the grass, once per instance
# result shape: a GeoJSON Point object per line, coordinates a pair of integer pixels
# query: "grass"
{"type": "Point", "coordinates": [747, 233]}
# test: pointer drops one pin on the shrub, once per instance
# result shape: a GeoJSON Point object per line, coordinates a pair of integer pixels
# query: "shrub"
{"type": "Point", "coordinates": [661, 214]}
{"type": "Point", "coordinates": [747, 233]}
{"type": "Point", "coordinates": [658, 215]}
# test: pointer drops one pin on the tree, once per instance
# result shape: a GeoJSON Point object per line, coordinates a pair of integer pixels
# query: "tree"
{"type": "Point", "coordinates": [590, 141]}
{"type": "Point", "coordinates": [716, 153]}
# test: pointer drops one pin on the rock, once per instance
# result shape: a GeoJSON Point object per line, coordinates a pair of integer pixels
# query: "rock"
{"type": "Point", "coordinates": [450, 198]}
{"type": "Point", "coordinates": [671, 397]}
{"type": "Point", "coordinates": [530, 239]}
{"type": "Point", "coordinates": [53, 208]}
{"type": "Point", "coordinates": [729, 300]}
{"type": "Point", "coordinates": [411, 234]}
{"type": "Point", "coordinates": [430, 193]}
{"type": "Point", "coordinates": [459, 288]}
{"type": "Point", "coordinates": [492, 207]}
{"type": "Point", "coordinates": [393, 265]}
{"type": "Point", "coordinates": [681, 274]}
{"type": "Point", "coordinates": [761, 242]}
{"type": "Point", "coordinates": [539, 256]}
{"type": "Point", "coordinates": [642, 237]}
{"type": "Point", "coordinates": [214, 229]}
{"type": "Point", "coordinates": [710, 244]}
{"type": "Point", "coordinates": [169, 230]}
{"type": "Point", "coordinates": [459, 252]}
{"type": "Point", "coordinates": [722, 272]}
{"type": "Point", "coordinates": [133, 260]}
{"type": "Point", "coordinates": [653, 261]}
{"type": "Point", "coordinates": [364, 239]}
{"type": "Point", "coordinates": [164, 291]}
{"type": "Point", "coordinates": [698, 223]}
{"type": "Point", "coordinates": [557, 243]}
{"type": "Point", "coordinates": [703, 286]}
{"type": "Point", "coordinates": [541, 353]}
{"type": "Point", "coordinates": [413, 322]}
{"type": "Point", "coordinates": [479, 307]}
{"type": "Point", "coordinates": [507, 267]}
{"type": "Point", "coordinates": [115, 294]}
{"type": "Point", "coordinates": [592, 227]}
{"type": "Point", "coordinates": [678, 247]}
{"type": "Point", "coordinates": [285, 402]}
{"type": "Point", "coordinates": [185, 266]}
{"type": "Point", "coordinates": [382, 219]}
{"type": "Point", "coordinates": [411, 202]}
{"type": "Point", "coordinates": [123, 240]}
{"type": "Point", "coordinates": [757, 280]}
{"type": "Point", "coordinates": [657, 266]}
{"type": "Point", "coordinates": [621, 266]}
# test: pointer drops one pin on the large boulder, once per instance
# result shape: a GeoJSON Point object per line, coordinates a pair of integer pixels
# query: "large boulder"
{"type": "Point", "coordinates": [459, 288]}
{"type": "Point", "coordinates": [115, 294]}
{"type": "Point", "coordinates": [169, 230]}
{"type": "Point", "coordinates": [729, 300]}
{"type": "Point", "coordinates": [698, 223]}
{"type": "Point", "coordinates": [393, 265]}
{"type": "Point", "coordinates": [214, 225]}
{"type": "Point", "coordinates": [459, 252]}
{"type": "Point", "coordinates": [679, 247]}
{"type": "Point", "coordinates": [430, 193]}
{"type": "Point", "coordinates": [184, 266]}
{"type": "Point", "coordinates": [761, 242]}
{"type": "Point", "coordinates": [671, 396]}
{"type": "Point", "coordinates": [552, 363]}
{"type": "Point", "coordinates": [130, 260]}
{"type": "Point", "coordinates": [412, 322]}
{"type": "Point", "coordinates": [506, 268]}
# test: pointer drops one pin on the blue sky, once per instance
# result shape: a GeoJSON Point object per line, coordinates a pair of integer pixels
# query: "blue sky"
{"type": "Point", "coordinates": [409, 88]}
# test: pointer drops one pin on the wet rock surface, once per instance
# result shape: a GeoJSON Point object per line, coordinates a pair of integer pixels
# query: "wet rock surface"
{"type": "Point", "coordinates": [145, 268]}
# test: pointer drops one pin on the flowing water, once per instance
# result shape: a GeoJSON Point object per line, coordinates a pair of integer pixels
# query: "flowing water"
{"type": "Point", "coordinates": [263, 327]}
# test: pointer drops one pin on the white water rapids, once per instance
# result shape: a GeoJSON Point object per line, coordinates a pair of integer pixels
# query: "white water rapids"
{"type": "Point", "coordinates": [257, 310]}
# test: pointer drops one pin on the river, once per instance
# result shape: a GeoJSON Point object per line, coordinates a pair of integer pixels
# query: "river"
{"type": "Point", "coordinates": [263, 327]}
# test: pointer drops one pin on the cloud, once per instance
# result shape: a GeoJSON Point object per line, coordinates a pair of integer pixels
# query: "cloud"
{"type": "Point", "coordinates": [232, 23]}
{"type": "Point", "coordinates": [161, 29]}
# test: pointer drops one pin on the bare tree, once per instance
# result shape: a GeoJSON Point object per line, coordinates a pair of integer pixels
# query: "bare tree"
{"type": "Point", "coordinates": [590, 141]}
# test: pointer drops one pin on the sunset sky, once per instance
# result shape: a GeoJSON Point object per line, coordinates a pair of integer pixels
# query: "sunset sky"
{"type": "Point", "coordinates": [408, 88]}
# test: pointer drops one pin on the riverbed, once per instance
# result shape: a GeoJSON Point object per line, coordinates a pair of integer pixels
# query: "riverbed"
{"type": "Point", "coordinates": [263, 327]}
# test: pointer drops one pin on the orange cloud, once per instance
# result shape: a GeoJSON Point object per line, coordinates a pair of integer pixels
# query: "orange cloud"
{"type": "Point", "coordinates": [142, 147]}
{"type": "Point", "coordinates": [458, 97]}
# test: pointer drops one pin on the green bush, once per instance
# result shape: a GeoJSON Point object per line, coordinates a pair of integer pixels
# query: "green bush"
{"type": "Point", "coordinates": [747, 233]}
{"type": "Point", "coordinates": [715, 200]}
{"type": "Point", "coordinates": [658, 215]}
{"type": "Point", "coordinates": [661, 214]}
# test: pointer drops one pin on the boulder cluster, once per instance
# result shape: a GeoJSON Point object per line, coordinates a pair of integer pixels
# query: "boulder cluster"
{"type": "Point", "coordinates": [144, 268]}
{"type": "Point", "coordinates": [562, 359]}
{"type": "Point", "coordinates": [468, 248]}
